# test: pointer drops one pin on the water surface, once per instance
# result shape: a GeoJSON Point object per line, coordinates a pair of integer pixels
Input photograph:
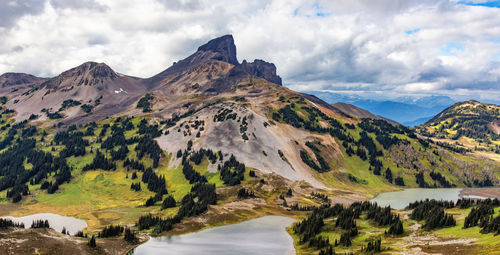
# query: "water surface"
{"type": "Point", "coordinates": [401, 199]}
{"type": "Point", "coordinates": [261, 236]}
{"type": "Point", "coordinates": [56, 221]}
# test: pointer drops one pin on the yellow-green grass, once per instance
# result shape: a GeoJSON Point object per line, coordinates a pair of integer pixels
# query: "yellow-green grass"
{"type": "Point", "coordinates": [488, 243]}
{"type": "Point", "coordinates": [99, 197]}
{"type": "Point", "coordinates": [177, 184]}
{"type": "Point", "coordinates": [358, 168]}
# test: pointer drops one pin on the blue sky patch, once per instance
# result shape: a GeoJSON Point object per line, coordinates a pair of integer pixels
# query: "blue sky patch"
{"type": "Point", "coordinates": [491, 4]}
{"type": "Point", "coordinates": [451, 49]}
{"type": "Point", "coordinates": [413, 31]}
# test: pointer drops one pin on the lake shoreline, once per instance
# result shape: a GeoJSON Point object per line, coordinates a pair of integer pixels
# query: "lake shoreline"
{"type": "Point", "coordinates": [269, 232]}
{"type": "Point", "coordinates": [490, 192]}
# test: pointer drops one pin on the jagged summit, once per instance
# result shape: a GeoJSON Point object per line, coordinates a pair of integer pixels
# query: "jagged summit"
{"type": "Point", "coordinates": [212, 69]}
{"type": "Point", "coordinates": [258, 68]}
{"type": "Point", "coordinates": [225, 48]}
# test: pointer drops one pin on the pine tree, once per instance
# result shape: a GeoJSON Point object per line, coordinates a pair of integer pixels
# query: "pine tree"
{"type": "Point", "coordinates": [92, 242]}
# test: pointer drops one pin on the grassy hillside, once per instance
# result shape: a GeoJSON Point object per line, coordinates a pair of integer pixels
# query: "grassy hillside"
{"type": "Point", "coordinates": [365, 228]}
{"type": "Point", "coordinates": [469, 125]}
{"type": "Point", "coordinates": [375, 154]}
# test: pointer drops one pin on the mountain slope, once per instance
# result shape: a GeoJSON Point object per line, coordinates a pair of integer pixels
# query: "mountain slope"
{"type": "Point", "coordinates": [18, 83]}
{"type": "Point", "coordinates": [470, 123]}
{"type": "Point", "coordinates": [94, 85]}
{"type": "Point", "coordinates": [359, 112]}
{"type": "Point", "coordinates": [209, 133]}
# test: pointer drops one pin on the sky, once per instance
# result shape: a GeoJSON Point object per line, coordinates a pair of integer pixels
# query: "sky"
{"type": "Point", "coordinates": [375, 48]}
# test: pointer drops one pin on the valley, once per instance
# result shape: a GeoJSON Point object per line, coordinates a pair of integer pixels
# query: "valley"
{"type": "Point", "coordinates": [211, 141]}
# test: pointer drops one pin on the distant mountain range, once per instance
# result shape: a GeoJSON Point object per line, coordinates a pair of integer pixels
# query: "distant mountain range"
{"type": "Point", "coordinates": [408, 111]}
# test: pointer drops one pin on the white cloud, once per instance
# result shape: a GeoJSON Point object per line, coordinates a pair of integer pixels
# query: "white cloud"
{"type": "Point", "coordinates": [388, 45]}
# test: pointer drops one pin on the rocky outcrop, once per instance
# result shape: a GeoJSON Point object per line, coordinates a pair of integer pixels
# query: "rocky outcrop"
{"type": "Point", "coordinates": [258, 68]}
{"type": "Point", "coordinates": [224, 47]}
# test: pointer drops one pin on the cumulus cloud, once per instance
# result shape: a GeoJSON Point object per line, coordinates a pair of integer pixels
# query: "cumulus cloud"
{"type": "Point", "coordinates": [11, 10]}
{"type": "Point", "coordinates": [413, 47]}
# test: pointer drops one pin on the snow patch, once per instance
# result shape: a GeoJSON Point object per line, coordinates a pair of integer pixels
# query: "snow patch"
{"type": "Point", "coordinates": [120, 91]}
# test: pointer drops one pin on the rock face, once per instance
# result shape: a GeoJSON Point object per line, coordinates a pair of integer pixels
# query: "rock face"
{"type": "Point", "coordinates": [223, 47]}
{"type": "Point", "coordinates": [257, 68]}
{"type": "Point", "coordinates": [211, 70]}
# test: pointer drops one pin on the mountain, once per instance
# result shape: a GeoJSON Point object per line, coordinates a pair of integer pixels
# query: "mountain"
{"type": "Point", "coordinates": [211, 70]}
{"type": "Point", "coordinates": [18, 83]}
{"type": "Point", "coordinates": [359, 112]}
{"type": "Point", "coordinates": [207, 141]}
{"type": "Point", "coordinates": [405, 110]}
{"type": "Point", "coordinates": [92, 87]}
{"type": "Point", "coordinates": [471, 123]}
{"type": "Point", "coordinates": [243, 109]}
{"type": "Point", "coordinates": [18, 79]}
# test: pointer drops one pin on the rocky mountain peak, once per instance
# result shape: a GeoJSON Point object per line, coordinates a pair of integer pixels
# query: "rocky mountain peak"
{"type": "Point", "coordinates": [225, 48]}
{"type": "Point", "coordinates": [92, 69]}
{"type": "Point", "coordinates": [88, 73]}
{"type": "Point", "coordinates": [258, 68]}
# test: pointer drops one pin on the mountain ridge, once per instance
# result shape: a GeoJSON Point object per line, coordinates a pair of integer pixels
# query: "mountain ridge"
{"type": "Point", "coordinates": [245, 110]}
{"type": "Point", "coordinates": [471, 123]}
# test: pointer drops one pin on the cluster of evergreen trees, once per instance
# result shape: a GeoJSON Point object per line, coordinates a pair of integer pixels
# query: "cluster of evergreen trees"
{"type": "Point", "coordinates": [399, 181]}
{"type": "Point", "coordinates": [146, 129]}
{"type": "Point", "coordinates": [110, 231]}
{"type": "Point", "coordinates": [441, 179]}
{"type": "Point", "coordinates": [245, 193]}
{"type": "Point", "coordinates": [232, 171]}
{"type": "Point", "coordinates": [309, 228]}
{"type": "Point", "coordinates": [12, 169]}
{"type": "Point", "coordinates": [190, 174]}
{"type": "Point", "coordinates": [324, 198]}
{"type": "Point", "coordinates": [479, 216]}
{"type": "Point", "coordinates": [373, 246]}
{"type": "Point", "coordinates": [129, 236]}
{"type": "Point", "coordinates": [168, 202]}
{"type": "Point", "coordinates": [432, 212]}
{"type": "Point", "coordinates": [135, 186]}
{"type": "Point", "coordinates": [197, 156]}
{"type": "Point", "coordinates": [155, 183]}
{"type": "Point", "coordinates": [419, 178]}
{"type": "Point", "coordinates": [134, 164]}
{"type": "Point", "coordinates": [482, 214]}
{"type": "Point", "coordinates": [195, 203]}
{"type": "Point", "coordinates": [100, 162]}
{"type": "Point", "coordinates": [145, 103]}
{"type": "Point", "coordinates": [40, 224]}
{"type": "Point", "coordinates": [147, 145]}
{"type": "Point", "coordinates": [6, 223]}
{"type": "Point", "coordinates": [323, 165]}
{"type": "Point", "coordinates": [224, 114]}
{"type": "Point", "coordinates": [68, 103]}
